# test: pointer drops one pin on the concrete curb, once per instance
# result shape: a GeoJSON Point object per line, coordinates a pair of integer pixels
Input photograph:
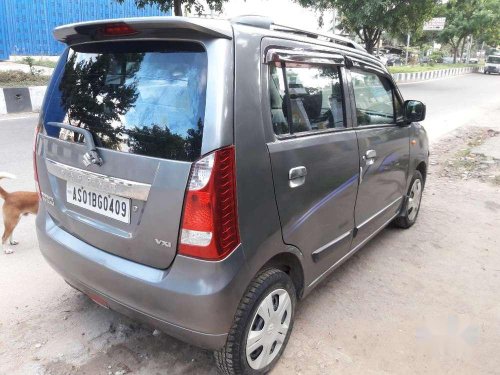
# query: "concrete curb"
{"type": "Point", "coordinates": [3, 107]}
{"type": "Point", "coordinates": [29, 99]}
{"type": "Point", "coordinates": [21, 99]}
{"type": "Point", "coordinates": [434, 74]}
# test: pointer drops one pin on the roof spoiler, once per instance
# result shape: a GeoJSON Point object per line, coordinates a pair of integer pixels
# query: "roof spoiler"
{"type": "Point", "coordinates": [145, 27]}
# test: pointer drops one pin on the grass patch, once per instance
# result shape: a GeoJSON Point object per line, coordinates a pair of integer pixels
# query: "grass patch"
{"type": "Point", "coordinates": [426, 68]}
{"type": "Point", "coordinates": [40, 62]}
{"type": "Point", "coordinates": [464, 153]}
{"type": "Point", "coordinates": [17, 78]}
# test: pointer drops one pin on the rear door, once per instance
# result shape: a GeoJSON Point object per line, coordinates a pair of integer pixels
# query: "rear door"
{"type": "Point", "coordinates": [384, 148]}
{"type": "Point", "coordinates": [144, 104]}
{"type": "Point", "coordinates": [314, 155]}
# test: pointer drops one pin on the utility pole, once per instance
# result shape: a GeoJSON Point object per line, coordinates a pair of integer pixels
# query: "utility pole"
{"type": "Point", "coordinates": [407, 47]}
{"type": "Point", "coordinates": [334, 21]}
{"type": "Point", "coordinates": [469, 49]}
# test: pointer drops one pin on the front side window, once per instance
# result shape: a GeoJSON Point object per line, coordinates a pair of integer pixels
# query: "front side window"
{"type": "Point", "coordinates": [374, 98]}
{"type": "Point", "coordinates": [145, 98]}
{"type": "Point", "coordinates": [312, 101]}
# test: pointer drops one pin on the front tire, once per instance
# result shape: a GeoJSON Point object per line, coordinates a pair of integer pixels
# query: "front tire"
{"type": "Point", "coordinates": [412, 206]}
{"type": "Point", "coordinates": [261, 327]}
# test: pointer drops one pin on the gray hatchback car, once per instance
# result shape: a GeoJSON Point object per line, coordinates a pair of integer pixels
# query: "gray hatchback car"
{"type": "Point", "coordinates": [203, 175]}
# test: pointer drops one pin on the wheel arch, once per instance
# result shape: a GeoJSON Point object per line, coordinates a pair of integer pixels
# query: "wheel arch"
{"type": "Point", "coordinates": [422, 168]}
{"type": "Point", "coordinates": [290, 263]}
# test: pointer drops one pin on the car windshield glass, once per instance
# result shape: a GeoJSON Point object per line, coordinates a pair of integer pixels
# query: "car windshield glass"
{"type": "Point", "coordinates": [494, 59]}
{"type": "Point", "coordinates": [145, 98]}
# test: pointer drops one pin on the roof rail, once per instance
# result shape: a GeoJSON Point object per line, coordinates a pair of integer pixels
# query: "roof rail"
{"type": "Point", "coordinates": [267, 23]}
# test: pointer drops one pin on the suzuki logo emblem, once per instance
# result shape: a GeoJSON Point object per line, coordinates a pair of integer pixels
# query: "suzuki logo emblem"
{"type": "Point", "coordinates": [163, 243]}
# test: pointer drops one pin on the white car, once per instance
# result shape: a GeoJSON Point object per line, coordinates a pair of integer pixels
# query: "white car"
{"type": "Point", "coordinates": [492, 64]}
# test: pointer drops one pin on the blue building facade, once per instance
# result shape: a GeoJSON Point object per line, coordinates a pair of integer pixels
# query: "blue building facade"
{"type": "Point", "coordinates": [26, 25]}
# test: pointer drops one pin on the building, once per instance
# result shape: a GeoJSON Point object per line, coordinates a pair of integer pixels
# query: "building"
{"type": "Point", "coordinates": [26, 25]}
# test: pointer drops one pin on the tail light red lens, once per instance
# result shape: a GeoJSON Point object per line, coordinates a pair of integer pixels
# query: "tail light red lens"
{"type": "Point", "coordinates": [210, 223]}
{"type": "Point", "coordinates": [118, 29]}
{"type": "Point", "coordinates": [35, 168]}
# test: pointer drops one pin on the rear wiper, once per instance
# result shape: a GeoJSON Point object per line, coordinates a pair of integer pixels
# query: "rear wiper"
{"type": "Point", "coordinates": [92, 155]}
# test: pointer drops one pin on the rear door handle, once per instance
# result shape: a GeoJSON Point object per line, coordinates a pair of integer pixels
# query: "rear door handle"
{"type": "Point", "coordinates": [369, 157]}
{"type": "Point", "coordinates": [297, 176]}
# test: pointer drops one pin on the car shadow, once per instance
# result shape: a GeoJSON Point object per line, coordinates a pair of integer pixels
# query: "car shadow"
{"type": "Point", "coordinates": [130, 347]}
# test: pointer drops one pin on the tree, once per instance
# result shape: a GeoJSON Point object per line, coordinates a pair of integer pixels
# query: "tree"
{"type": "Point", "coordinates": [477, 18]}
{"type": "Point", "coordinates": [176, 5]}
{"type": "Point", "coordinates": [489, 18]}
{"type": "Point", "coordinates": [91, 102]}
{"type": "Point", "coordinates": [369, 18]}
{"type": "Point", "coordinates": [159, 141]}
{"type": "Point", "coordinates": [459, 23]}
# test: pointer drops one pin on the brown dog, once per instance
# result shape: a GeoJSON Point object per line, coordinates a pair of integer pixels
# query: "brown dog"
{"type": "Point", "coordinates": [16, 204]}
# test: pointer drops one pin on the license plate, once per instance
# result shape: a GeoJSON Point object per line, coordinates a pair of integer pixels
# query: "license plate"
{"type": "Point", "coordinates": [109, 205]}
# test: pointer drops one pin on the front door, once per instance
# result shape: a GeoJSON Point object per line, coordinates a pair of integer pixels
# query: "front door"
{"type": "Point", "coordinates": [314, 160]}
{"type": "Point", "coordinates": [383, 152]}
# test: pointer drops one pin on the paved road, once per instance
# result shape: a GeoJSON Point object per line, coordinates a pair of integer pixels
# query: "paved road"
{"type": "Point", "coordinates": [468, 100]}
{"type": "Point", "coordinates": [383, 311]}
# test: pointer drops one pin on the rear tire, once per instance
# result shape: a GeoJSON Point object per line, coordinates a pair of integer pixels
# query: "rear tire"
{"type": "Point", "coordinates": [412, 206]}
{"type": "Point", "coordinates": [261, 327]}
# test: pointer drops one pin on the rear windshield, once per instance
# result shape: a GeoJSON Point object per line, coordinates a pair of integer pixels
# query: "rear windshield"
{"type": "Point", "coordinates": [493, 59]}
{"type": "Point", "coordinates": [145, 98]}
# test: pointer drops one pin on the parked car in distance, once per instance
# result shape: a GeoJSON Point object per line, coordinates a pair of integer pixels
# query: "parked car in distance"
{"type": "Point", "coordinates": [492, 64]}
{"type": "Point", "coordinates": [424, 60]}
{"type": "Point", "coordinates": [394, 60]}
{"type": "Point", "coordinates": [435, 58]}
{"type": "Point", "coordinates": [204, 175]}
{"type": "Point", "coordinates": [382, 57]}
{"type": "Point", "coordinates": [473, 60]}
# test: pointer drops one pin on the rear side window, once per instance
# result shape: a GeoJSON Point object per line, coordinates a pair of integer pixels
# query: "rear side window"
{"type": "Point", "coordinates": [145, 98]}
{"type": "Point", "coordinates": [305, 98]}
{"type": "Point", "coordinates": [374, 96]}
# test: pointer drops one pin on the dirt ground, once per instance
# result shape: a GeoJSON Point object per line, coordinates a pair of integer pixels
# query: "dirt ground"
{"type": "Point", "coordinates": [421, 301]}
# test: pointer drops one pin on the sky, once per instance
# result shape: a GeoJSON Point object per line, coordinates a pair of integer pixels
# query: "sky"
{"type": "Point", "coordinates": [286, 12]}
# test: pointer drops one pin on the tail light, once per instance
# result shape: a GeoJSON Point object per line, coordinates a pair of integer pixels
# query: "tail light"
{"type": "Point", "coordinates": [210, 223]}
{"type": "Point", "coordinates": [35, 168]}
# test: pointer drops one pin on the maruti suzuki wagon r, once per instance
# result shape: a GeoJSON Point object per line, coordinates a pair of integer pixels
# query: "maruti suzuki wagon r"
{"type": "Point", "coordinates": [203, 175]}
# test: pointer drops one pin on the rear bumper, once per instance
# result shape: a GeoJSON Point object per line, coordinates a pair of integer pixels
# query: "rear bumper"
{"type": "Point", "coordinates": [491, 69]}
{"type": "Point", "coordinates": [194, 301]}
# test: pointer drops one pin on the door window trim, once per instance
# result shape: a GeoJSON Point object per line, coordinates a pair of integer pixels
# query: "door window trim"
{"type": "Point", "coordinates": [274, 55]}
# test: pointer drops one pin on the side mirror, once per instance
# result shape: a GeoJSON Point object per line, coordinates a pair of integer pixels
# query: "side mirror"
{"type": "Point", "coordinates": [414, 111]}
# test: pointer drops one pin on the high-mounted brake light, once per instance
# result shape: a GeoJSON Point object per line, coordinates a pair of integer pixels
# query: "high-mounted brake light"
{"type": "Point", "coordinates": [210, 223]}
{"type": "Point", "coordinates": [118, 29]}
